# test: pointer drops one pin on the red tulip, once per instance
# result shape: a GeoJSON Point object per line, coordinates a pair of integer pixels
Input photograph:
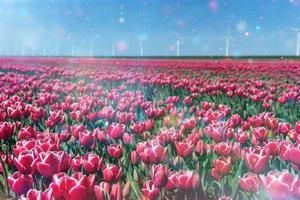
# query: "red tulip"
{"type": "Point", "coordinates": [278, 185]}
{"type": "Point", "coordinates": [260, 133]}
{"type": "Point", "coordinates": [116, 192]}
{"type": "Point", "coordinates": [150, 190]}
{"type": "Point", "coordinates": [115, 131]}
{"type": "Point", "coordinates": [272, 123]}
{"type": "Point", "coordinates": [101, 191]}
{"type": "Point", "coordinates": [92, 163]}
{"type": "Point", "coordinates": [65, 187]}
{"type": "Point", "coordinates": [25, 162]}
{"type": "Point", "coordinates": [13, 113]}
{"type": "Point", "coordinates": [6, 130]}
{"type": "Point", "coordinates": [151, 152]}
{"type": "Point", "coordinates": [297, 127]}
{"type": "Point", "coordinates": [27, 133]}
{"type": "Point", "coordinates": [173, 182]}
{"type": "Point", "coordinates": [76, 129]}
{"type": "Point", "coordinates": [273, 146]}
{"type": "Point", "coordinates": [134, 157]}
{"type": "Point", "coordinates": [249, 182]}
{"type": "Point", "coordinates": [159, 175]}
{"type": "Point", "coordinates": [47, 164]}
{"type": "Point", "coordinates": [221, 166]}
{"type": "Point", "coordinates": [200, 148]}
{"type": "Point", "coordinates": [34, 194]}
{"type": "Point", "coordinates": [127, 138]}
{"type": "Point", "coordinates": [112, 173]}
{"type": "Point", "coordinates": [296, 188]}
{"type": "Point", "coordinates": [284, 127]}
{"type": "Point", "coordinates": [184, 148]}
{"type": "Point", "coordinates": [87, 138]}
{"type": "Point", "coordinates": [225, 198]}
{"type": "Point", "coordinates": [37, 113]}
{"type": "Point", "coordinates": [241, 137]}
{"type": "Point", "coordinates": [223, 148]}
{"type": "Point", "coordinates": [76, 163]}
{"type": "Point", "coordinates": [186, 180]}
{"type": "Point", "coordinates": [20, 183]}
{"type": "Point", "coordinates": [293, 154]}
{"type": "Point", "coordinates": [64, 135]}
{"type": "Point", "coordinates": [138, 128]}
{"type": "Point", "coordinates": [256, 159]}
{"type": "Point", "coordinates": [115, 150]}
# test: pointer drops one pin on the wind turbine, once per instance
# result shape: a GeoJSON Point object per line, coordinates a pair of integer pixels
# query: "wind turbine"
{"type": "Point", "coordinates": [44, 50]}
{"type": "Point", "coordinates": [113, 48]}
{"type": "Point", "coordinates": [228, 38]}
{"type": "Point", "coordinates": [178, 43]}
{"type": "Point", "coordinates": [72, 53]}
{"type": "Point", "coordinates": [91, 50]}
{"type": "Point", "coordinates": [142, 42]}
{"type": "Point", "coordinates": [297, 30]}
{"type": "Point", "coordinates": [57, 50]}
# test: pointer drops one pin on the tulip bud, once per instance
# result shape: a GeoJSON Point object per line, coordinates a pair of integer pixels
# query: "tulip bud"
{"type": "Point", "coordinates": [134, 157]}
{"type": "Point", "coordinates": [116, 192]}
{"type": "Point", "coordinates": [135, 176]}
{"type": "Point", "coordinates": [126, 190]}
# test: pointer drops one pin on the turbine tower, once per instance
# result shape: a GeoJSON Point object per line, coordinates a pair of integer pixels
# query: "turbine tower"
{"type": "Point", "coordinates": [72, 52]}
{"type": "Point", "coordinates": [113, 49]}
{"type": "Point", "coordinates": [91, 50]}
{"type": "Point", "coordinates": [228, 38]}
{"type": "Point", "coordinates": [57, 50]}
{"type": "Point", "coordinates": [142, 48]}
{"type": "Point", "coordinates": [44, 50]}
{"type": "Point", "coordinates": [178, 43]}
{"type": "Point", "coordinates": [297, 30]}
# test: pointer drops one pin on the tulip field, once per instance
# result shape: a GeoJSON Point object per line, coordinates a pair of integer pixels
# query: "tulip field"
{"type": "Point", "coordinates": [149, 129]}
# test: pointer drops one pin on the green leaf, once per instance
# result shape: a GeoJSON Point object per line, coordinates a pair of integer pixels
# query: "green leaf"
{"type": "Point", "coordinates": [235, 186]}
{"type": "Point", "coordinates": [136, 189]}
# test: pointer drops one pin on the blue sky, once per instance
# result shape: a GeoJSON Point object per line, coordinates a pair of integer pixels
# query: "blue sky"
{"type": "Point", "coordinates": [45, 27]}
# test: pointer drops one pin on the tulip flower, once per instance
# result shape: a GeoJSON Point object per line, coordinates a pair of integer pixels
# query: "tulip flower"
{"type": "Point", "coordinates": [256, 159]}
{"type": "Point", "coordinates": [297, 127]}
{"type": "Point", "coordinates": [34, 194]}
{"type": "Point", "coordinates": [47, 164]}
{"type": "Point", "coordinates": [260, 133]}
{"type": "Point", "coordinates": [6, 130]}
{"type": "Point", "coordinates": [116, 191]}
{"type": "Point", "coordinates": [87, 138]}
{"type": "Point", "coordinates": [241, 137]}
{"type": "Point", "coordinates": [76, 163]}
{"type": "Point", "coordinates": [159, 175]}
{"type": "Point", "coordinates": [151, 152]}
{"type": "Point", "coordinates": [293, 154]}
{"type": "Point", "coordinates": [19, 183]}
{"type": "Point", "coordinates": [184, 148]}
{"type": "Point", "coordinates": [223, 148]}
{"type": "Point", "coordinates": [112, 173]}
{"type": "Point", "coordinates": [13, 113]}
{"type": "Point", "coordinates": [284, 127]}
{"type": "Point", "coordinates": [221, 167]}
{"type": "Point", "coordinates": [25, 162]}
{"type": "Point", "coordinates": [249, 182]}
{"type": "Point", "coordinates": [278, 185]}
{"type": "Point", "coordinates": [102, 191]}
{"type": "Point", "coordinates": [92, 163]}
{"type": "Point", "coordinates": [65, 187]}
{"type": "Point", "coordinates": [187, 180]}
{"type": "Point", "coordinates": [27, 133]}
{"type": "Point", "coordinates": [115, 131]}
{"type": "Point", "coordinates": [115, 151]}
{"type": "Point", "coordinates": [150, 190]}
